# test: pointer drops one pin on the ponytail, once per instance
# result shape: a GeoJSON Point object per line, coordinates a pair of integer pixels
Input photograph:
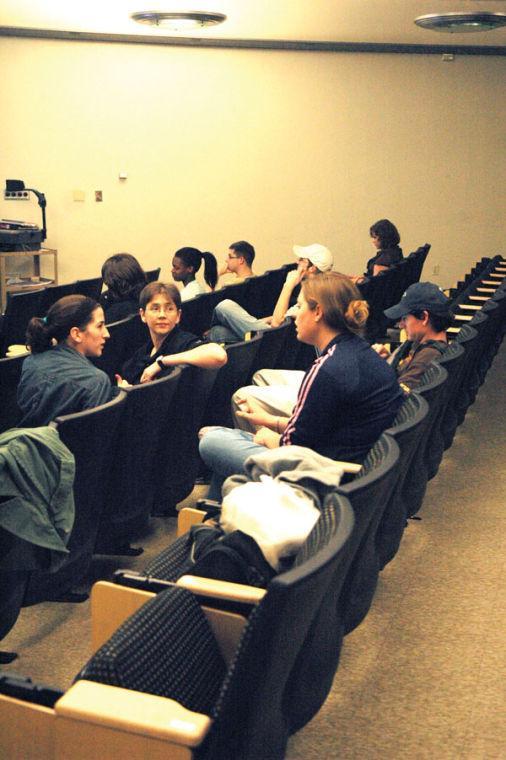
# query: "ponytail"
{"type": "Point", "coordinates": [210, 269]}
{"type": "Point", "coordinates": [192, 257]}
{"type": "Point", "coordinates": [68, 312]}
{"type": "Point", "coordinates": [38, 335]}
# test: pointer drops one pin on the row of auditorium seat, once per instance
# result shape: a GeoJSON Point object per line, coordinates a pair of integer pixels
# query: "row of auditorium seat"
{"type": "Point", "coordinates": [258, 295]}
{"type": "Point", "coordinates": [250, 697]}
{"type": "Point", "coordinates": [23, 305]}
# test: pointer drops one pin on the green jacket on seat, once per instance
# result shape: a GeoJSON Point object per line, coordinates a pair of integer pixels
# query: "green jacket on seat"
{"type": "Point", "coordinates": [36, 496]}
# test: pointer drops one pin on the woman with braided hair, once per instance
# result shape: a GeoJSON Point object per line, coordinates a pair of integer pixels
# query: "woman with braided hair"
{"type": "Point", "coordinates": [59, 378]}
{"type": "Point", "coordinates": [347, 398]}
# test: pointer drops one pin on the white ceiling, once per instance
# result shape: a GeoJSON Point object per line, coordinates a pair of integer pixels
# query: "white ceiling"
{"type": "Point", "coordinates": [369, 21]}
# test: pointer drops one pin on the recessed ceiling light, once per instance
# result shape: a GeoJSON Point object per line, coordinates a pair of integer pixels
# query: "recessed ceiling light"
{"type": "Point", "coordinates": [461, 22]}
{"type": "Point", "coordinates": [179, 21]}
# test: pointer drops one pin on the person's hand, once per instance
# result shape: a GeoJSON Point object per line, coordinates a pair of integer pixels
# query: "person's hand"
{"type": "Point", "coordinates": [266, 437]}
{"type": "Point", "coordinates": [357, 278]}
{"type": "Point", "coordinates": [121, 382]}
{"type": "Point", "coordinates": [381, 350]}
{"type": "Point", "coordinates": [294, 277]}
{"type": "Point", "coordinates": [253, 412]}
{"type": "Point", "coordinates": [150, 373]}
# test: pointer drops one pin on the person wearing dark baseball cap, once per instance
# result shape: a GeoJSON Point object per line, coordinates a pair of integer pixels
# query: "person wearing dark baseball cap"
{"type": "Point", "coordinates": [421, 296]}
{"type": "Point", "coordinates": [424, 314]}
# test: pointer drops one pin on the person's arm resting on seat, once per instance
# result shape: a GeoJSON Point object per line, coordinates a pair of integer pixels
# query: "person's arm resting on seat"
{"type": "Point", "coordinates": [208, 356]}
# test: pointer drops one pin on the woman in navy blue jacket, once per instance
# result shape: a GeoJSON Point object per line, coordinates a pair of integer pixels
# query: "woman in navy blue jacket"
{"type": "Point", "coordinates": [346, 399]}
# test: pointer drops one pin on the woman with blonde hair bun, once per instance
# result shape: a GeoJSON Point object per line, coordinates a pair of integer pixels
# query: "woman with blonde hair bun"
{"type": "Point", "coordinates": [347, 398]}
{"type": "Point", "coordinates": [276, 390]}
{"type": "Point", "coordinates": [340, 300]}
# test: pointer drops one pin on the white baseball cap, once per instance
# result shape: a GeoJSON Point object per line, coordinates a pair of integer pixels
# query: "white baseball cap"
{"type": "Point", "coordinates": [317, 254]}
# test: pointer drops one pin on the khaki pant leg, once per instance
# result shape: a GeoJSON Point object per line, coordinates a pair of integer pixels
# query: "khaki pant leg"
{"type": "Point", "coordinates": [289, 377]}
{"type": "Point", "coordinates": [278, 400]}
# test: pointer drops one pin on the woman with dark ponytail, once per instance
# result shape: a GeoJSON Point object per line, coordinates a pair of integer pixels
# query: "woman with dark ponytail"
{"type": "Point", "coordinates": [58, 378]}
{"type": "Point", "coordinates": [186, 263]}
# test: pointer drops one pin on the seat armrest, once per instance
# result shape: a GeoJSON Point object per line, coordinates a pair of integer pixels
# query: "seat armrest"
{"type": "Point", "coordinates": [90, 714]}
{"type": "Point", "coordinates": [187, 517]}
{"type": "Point", "coordinates": [28, 730]}
{"type": "Point", "coordinates": [214, 589]}
{"type": "Point", "coordinates": [111, 605]}
{"type": "Point", "coordinates": [350, 467]}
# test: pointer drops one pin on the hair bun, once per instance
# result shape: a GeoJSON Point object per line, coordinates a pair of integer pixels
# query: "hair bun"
{"type": "Point", "coordinates": [357, 313]}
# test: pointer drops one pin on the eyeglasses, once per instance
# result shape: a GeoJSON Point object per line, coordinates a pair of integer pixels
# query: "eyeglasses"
{"type": "Point", "coordinates": [229, 256]}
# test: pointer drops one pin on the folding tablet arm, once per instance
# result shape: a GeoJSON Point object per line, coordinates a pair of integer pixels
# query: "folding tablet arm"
{"type": "Point", "coordinates": [98, 720]}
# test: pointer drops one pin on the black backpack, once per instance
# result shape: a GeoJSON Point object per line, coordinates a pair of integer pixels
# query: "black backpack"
{"type": "Point", "coordinates": [234, 557]}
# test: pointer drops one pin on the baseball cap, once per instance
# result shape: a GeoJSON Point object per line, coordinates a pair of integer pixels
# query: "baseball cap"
{"type": "Point", "coordinates": [317, 254]}
{"type": "Point", "coordinates": [420, 296]}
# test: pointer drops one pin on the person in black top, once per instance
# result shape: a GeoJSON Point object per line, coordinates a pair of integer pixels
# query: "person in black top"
{"type": "Point", "coordinates": [160, 309]}
{"type": "Point", "coordinates": [124, 278]}
{"type": "Point", "coordinates": [386, 239]}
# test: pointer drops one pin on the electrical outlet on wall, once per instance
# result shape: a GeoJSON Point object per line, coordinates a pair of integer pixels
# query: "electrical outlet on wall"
{"type": "Point", "coordinates": [435, 269]}
{"type": "Point", "coordinates": [16, 195]}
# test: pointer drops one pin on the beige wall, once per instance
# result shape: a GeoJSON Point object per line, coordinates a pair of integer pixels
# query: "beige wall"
{"type": "Point", "coordinates": [274, 147]}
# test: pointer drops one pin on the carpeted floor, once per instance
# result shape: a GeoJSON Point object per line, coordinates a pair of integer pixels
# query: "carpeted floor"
{"type": "Point", "coordinates": [423, 676]}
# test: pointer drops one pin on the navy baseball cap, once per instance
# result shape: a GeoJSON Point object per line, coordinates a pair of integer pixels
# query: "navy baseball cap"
{"type": "Point", "coordinates": [420, 296]}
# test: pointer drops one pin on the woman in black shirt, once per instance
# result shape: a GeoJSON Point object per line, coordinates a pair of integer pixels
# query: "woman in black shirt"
{"type": "Point", "coordinates": [169, 345]}
{"type": "Point", "coordinates": [386, 239]}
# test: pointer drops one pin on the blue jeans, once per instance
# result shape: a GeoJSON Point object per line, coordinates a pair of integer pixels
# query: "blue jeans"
{"type": "Point", "coordinates": [224, 451]}
{"type": "Point", "coordinates": [231, 322]}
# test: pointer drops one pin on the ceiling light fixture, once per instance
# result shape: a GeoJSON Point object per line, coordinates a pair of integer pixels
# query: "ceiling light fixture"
{"type": "Point", "coordinates": [461, 22]}
{"type": "Point", "coordinates": [178, 21]}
